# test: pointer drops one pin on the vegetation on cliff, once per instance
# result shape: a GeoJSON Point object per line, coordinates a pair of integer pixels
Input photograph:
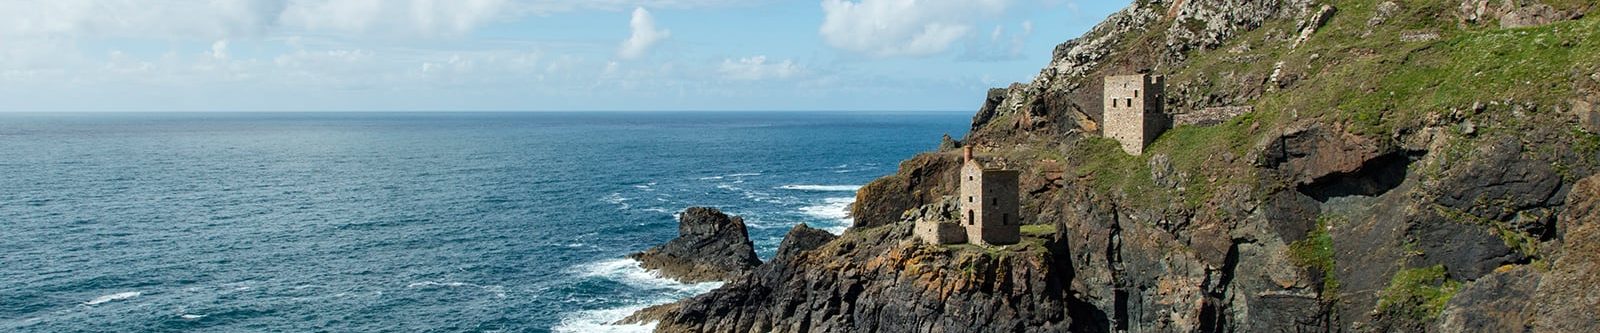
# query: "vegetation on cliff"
{"type": "Point", "coordinates": [1357, 166]}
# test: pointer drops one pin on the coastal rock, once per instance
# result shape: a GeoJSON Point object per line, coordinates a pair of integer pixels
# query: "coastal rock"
{"type": "Point", "coordinates": [880, 280]}
{"type": "Point", "coordinates": [921, 180]}
{"type": "Point", "coordinates": [802, 238]}
{"type": "Point", "coordinates": [1494, 303]}
{"type": "Point", "coordinates": [1568, 299]}
{"type": "Point", "coordinates": [711, 246]}
{"type": "Point", "coordinates": [1289, 214]}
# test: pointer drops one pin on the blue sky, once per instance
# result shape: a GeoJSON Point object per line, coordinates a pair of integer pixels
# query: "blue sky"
{"type": "Point", "coordinates": [446, 55]}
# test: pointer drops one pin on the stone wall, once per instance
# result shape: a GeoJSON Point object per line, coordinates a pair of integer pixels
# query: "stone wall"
{"type": "Point", "coordinates": [940, 232]}
{"type": "Point", "coordinates": [1133, 110]}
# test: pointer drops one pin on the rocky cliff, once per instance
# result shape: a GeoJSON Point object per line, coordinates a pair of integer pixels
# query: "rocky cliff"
{"type": "Point", "coordinates": [711, 246]}
{"type": "Point", "coordinates": [1362, 166]}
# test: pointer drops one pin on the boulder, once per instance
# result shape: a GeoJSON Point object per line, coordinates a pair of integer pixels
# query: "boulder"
{"type": "Point", "coordinates": [711, 246]}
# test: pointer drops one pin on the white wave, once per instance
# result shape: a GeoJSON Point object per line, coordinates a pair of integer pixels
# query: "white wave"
{"type": "Point", "coordinates": [822, 188]}
{"type": "Point", "coordinates": [603, 320]}
{"type": "Point", "coordinates": [113, 297]}
{"type": "Point", "coordinates": [835, 210]}
{"type": "Point", "coordinates": [748, 174]}
{"type": "Point", "coordinates": [498, 291]}
{"type": "Point", "coordinates": [191, 316]}
{"type": "Point", "coordinates": [618, 199]}
{"type": "Point", "coordinates": [711, 178]}
{"type": "Point", "coordinates": [628, 271]}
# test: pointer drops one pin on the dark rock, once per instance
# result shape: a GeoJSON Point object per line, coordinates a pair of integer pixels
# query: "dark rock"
{"type": "Point", "coordinates": [1306, 153]}
{"type": "Point", "coordinates": [802, 238]}
{"type": "Point", "coordinates": [990, 108]}
{"type": "Point", "coordinates": [879, 281]}
{"type": "Point", "coordinates": [1568, 299]}
{"type": "Point", "coordinates": [711, 246]}
{"type": "Point", "coordinates": [1467, 251]}
{"type": "Point", "coordinates": [1500, 183]}
{"type": "Point", "coordinates": [1495, 303]}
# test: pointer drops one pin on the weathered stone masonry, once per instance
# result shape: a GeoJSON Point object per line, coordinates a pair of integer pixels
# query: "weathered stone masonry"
{"type": "Point", "coordinates": [1133, 111]}
{"type": "Point", "coordinates": [989, 203]}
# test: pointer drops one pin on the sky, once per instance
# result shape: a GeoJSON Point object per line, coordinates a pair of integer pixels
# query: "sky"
{"type": "Point", "coordinates": [525, 55]}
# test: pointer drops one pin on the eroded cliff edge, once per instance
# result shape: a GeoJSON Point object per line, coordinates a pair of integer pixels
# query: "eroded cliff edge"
{"type": "Point", "coordinates": [1358, 166]}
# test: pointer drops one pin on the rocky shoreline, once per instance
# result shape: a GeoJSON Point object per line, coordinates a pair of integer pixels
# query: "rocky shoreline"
{"type": "Point", "coordinates": [1349, 186]}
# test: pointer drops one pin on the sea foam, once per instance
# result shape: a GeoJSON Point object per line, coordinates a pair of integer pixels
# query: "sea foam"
{"type": "Point", "coordinates": [113, 297]}
{"type": "Point", "coordinates": [822, 188]}
{"type": "Point", "coordinates": [835, 210]}
{"type": "Point", "coordinates": [659, 290]}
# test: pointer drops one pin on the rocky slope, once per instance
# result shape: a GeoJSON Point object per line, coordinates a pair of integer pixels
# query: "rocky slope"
{"type": "Point", "coordinates": [1360, 166]}
{"type": "Point", "coordinates": [711, 246]}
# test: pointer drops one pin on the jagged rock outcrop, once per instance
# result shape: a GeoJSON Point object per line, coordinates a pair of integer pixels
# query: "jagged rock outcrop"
{"type": "Point", "coordinates": [711, 246]}
{"type": "Point", "coordinates": [879, 280]}
{"type": "Point", "coordinates": [800, 239]}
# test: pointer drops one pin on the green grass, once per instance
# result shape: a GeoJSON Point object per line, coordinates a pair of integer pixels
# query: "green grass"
{"type": "Point", "coordinates": [1316, 252]}
{"type": "Point", "coordinates": [1039, 230]}
{"type": "Point", "coordinates": [1418, 293]}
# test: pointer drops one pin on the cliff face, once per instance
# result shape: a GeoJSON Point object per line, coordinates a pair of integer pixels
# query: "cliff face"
{"type": "Point", "coordinates": [1362, 166]}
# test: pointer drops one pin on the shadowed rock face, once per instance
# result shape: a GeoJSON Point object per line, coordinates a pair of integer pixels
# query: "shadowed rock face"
{"type": "Point", "coordinates": [711, 246]}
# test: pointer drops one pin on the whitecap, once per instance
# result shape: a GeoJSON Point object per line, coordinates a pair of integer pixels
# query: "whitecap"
{"type": "Point", "coordinates": [113, 297]}
{"type": "Point", "coordinates": [618, 199]}
{"type": "Point", "coordinates": [748, 174]}
{"type": "Point", "coordinates": [603, 320]}
{"type": "Point", "coordinates": [835, 210]}
{"type": "Point", "coordinates": [498, 291]}
{"type": "Point", "coordinates": [628, 271]}
{"type": "Point", "coordinates": [822, 188]}
{"type": "Point", "coordinates": [191, 316]}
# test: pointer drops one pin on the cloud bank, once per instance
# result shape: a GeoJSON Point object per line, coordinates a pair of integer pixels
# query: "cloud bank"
{"type": "Point", "coordinates": [903, 28]}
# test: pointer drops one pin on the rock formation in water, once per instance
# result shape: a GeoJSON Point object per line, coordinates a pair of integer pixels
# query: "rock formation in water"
{"type": "Point", "coordinates": [711, 246]}
{"type": "Point", "coordinates": [1387, 166]}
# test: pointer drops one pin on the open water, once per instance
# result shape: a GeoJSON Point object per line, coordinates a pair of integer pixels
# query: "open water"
{"type": "Point", "coordinates": [413, 222]}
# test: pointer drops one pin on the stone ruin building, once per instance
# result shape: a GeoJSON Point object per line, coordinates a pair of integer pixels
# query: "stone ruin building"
{"type": "Point", "coordinates": [988, 208]}
{"type": "Point", "coordinates": [1133, 111]}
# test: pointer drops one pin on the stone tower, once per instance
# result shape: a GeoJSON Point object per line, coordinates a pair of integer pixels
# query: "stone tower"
{"type": "Point", "coordinates": [989, 203]}
{"type": "Point", "coordinates": [1133, 114]}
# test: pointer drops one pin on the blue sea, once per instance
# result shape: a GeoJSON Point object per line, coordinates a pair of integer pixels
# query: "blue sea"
{"type": "Point", "coordinates": [411, 222]}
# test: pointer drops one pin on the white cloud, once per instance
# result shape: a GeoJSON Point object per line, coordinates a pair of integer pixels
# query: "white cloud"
{"type": "Point", "coordinates": [645, 35]}
{"type": "Point", "coordinates": [219, 50]}
{"type": "Point", "coordinates": [895, 28]}
{"type": "Point", "coordinates": [418, 17]}
{"type": "Point", "coordinates": [757, 68]}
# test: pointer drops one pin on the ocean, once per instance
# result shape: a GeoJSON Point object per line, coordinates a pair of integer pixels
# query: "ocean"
{"type": "Point", "coordinates": [410, 222]}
